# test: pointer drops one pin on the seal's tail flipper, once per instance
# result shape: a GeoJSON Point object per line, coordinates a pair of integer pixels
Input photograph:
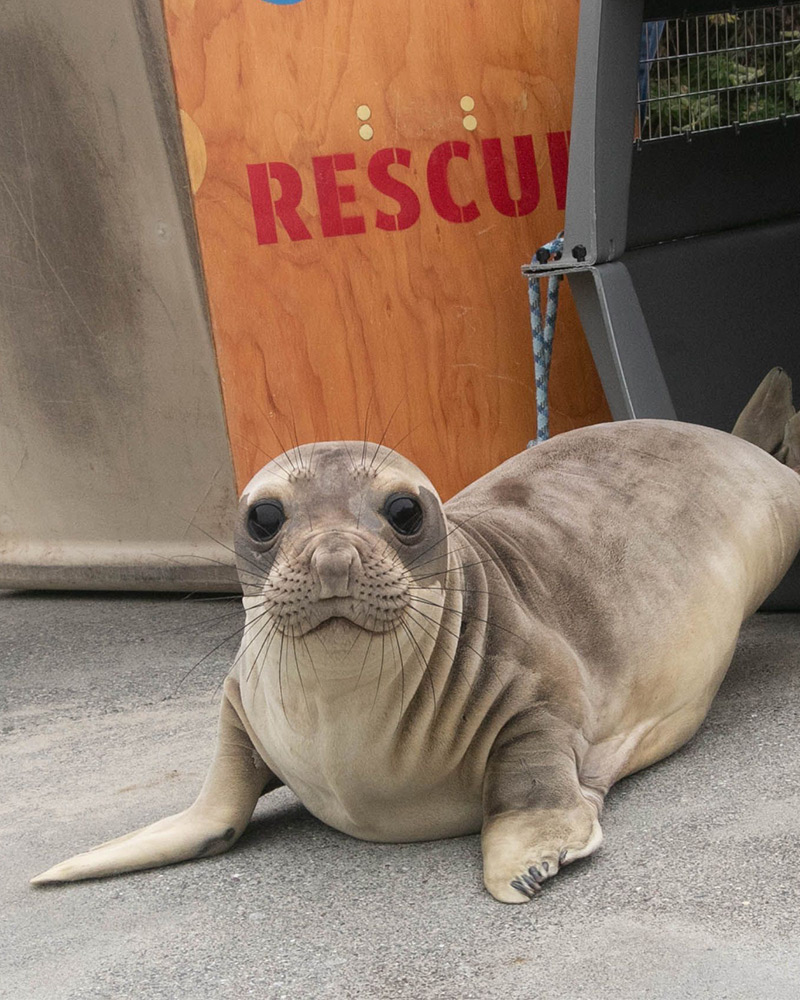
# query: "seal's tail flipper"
{"type": "Point", "coordinates": [789, 453]}
{"type": "Point", "coordinates": [768, 419]}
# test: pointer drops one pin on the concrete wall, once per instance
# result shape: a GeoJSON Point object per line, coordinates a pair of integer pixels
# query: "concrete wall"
{"type": "Point", "coordinates": [115, 470]}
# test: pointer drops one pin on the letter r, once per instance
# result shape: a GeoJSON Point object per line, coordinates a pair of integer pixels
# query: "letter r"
{"type": "Point", "coordinates": [285, 208]}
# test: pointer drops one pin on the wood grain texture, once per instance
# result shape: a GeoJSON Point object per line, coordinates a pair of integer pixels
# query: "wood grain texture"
{"type": "Point", "coordinates": [419, 332]}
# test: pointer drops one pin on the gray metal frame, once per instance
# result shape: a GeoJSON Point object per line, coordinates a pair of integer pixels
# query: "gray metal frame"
{"type": "Point", "coordinates": [683, 255]}
{"type": "Point", "coordinates": [600, 144]}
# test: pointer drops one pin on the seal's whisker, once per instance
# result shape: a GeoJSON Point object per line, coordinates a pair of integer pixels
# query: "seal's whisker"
{"type": "Point", "coordinates": [426, 667]}
{"type": "Point", "coordinates": [435, 573]}
{"type": "Point", "coordinates": [396, 646]}
{"type": "Point", "coordinates": [358, 636]}
{"type": "Point", "coordinates": [286, 473]}
{"type": "Point", "coordinates": [260, 658]}
{"type": "Point", "coordinates": [361, 506]}
{"type": "Point", "coordinates": [485, 664]}
{"type": "Point", "coordinates": [296, 436]}
{"type": "Point", "coordinates": [433, 635]}
{"type": "Point", "coordinates": [353, 463]}
{"type": "Point", "coordinates": [271, 423]}
{"type": "Point", "coordinates": [435, 622]}
{"type": "Point", "coordinates": [364, 661]}
{"type": "Point", "coordinates": [456, 635]}
{"type": "Point", "coordinates": [230, 548]}
{"type": "Point", "coordinates": [366, 427]}
{"type": "Point", "coordinates": [469, 591]}
{"type": "Point", "coordinates": [269, 630]}
{"type": "Point", "coordinates": [311, 457]}
{"type": "Point", "coordinates": [269, 625]}
{"type": "Point", "coordinates": [192, 555]}
{"type": "Point", "coordinates": [308, 652]}
{"type": "Point", "coordinates": [266, 454]}
{"type": "Point", "coordinates": [415, 562]}
{"type": "Point", "coordinates": [393, 451]}
{"type": "Point", "coordinates": [318, 638]}
{"type": "Point", "coordinates": [218, 562]}
{"type": "Point", "coordinates": [380, 671]}
{"type": "Point", "coordinates": [307, 512]}
{"type": "Point", "coordinates": [211, 652]}
{"type": "Point", "coordinates": [450, 570]}
{"type": "Point", "coordinates": [469, 616]}
{"type": "Point", "coordinates": [455, 527]}
{"type": "Point", "coordinates": [204, 621]}
{"type": "Point", "coordinates": [299, 671]}
{"type": "Point", "coordinates": [260, 576]}
{"type": "Point", "coordinates": [276, 460]}
{"type": "Point", "coordinates": [280, 676]}
{"type": "Point", "coordinates": [385, 432]}
{"type": "Point", "coordinates": [466, 547]}
{"type": "Point", "coordinates": [263, 613]}
{"type": "Point", "coordinates": [393, 556]}
{"type": "Point", "coordinates": [453, 675]}
{"type": "Point", "coordinates": [452, 588]}
{"type": "Point", "coordinates": [194, 599]}
{"type": "Point", "coordinates": [395, 559]}
{"type": "Point", "coordinates": [454, 547]}
{"type": "Point", "coordinates": [285, 451]}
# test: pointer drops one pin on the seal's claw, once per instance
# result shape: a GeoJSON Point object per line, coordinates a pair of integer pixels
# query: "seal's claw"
{"type": "Point", "coordinates": [532, 883]}
{"type": "Point", "coordinates": [527, 890]}
{"type": "Point", "coordinates": [528, 882]}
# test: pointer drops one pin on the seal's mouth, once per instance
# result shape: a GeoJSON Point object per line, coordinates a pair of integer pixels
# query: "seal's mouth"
{"type": "Point", "coordinates": [326, 615]}
{"type": "Point", "coordinates": [338, 624]}
{"type": "Point", "coordinates": [338, 635]}
{"type": "Point", "coordinates": [343, 616]}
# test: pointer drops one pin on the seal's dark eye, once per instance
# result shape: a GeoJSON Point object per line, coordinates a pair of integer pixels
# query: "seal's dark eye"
{"type": "Point", "coordinates": [264, 520]}
{"type": "Point", "coordinates": [404, 513]}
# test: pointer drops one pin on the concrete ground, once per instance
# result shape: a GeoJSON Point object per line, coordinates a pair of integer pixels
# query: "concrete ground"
{"type": "Point", "coordinates": [108, 722]}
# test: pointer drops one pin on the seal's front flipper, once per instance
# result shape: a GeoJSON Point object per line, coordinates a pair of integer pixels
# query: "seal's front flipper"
{"type": "Point", "coordinates": [524, 848]}
{"type": "Point", "coordinates": [238, 776]}
{"type": "Point", "coordinates": [537, 817]}
{"type": "Point", "coordinates": [763, 420]}
{"type": "Point", "coordinates": [176, 838]}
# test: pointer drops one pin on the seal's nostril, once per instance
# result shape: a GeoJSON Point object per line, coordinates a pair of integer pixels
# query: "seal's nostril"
{"type": "Point", "coordinates": [333, 569]}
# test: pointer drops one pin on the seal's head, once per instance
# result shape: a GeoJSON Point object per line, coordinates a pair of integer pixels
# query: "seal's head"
{"type": "Point", "coordinates": [340, 536]}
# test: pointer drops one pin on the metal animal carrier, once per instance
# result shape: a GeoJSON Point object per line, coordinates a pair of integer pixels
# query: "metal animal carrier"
{"type": "Point", "coordinates": [682, 232]}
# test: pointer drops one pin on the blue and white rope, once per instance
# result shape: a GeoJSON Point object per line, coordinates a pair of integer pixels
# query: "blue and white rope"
{"type": "Point", "coordinates": [542, 332]}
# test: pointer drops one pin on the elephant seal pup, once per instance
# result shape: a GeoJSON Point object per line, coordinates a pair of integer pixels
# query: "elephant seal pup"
{"type": "Point", "coordinates": [415, 671]}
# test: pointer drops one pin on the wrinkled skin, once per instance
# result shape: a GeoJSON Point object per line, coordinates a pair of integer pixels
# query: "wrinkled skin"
{"type": "Point", "coordinates": [562, 622]}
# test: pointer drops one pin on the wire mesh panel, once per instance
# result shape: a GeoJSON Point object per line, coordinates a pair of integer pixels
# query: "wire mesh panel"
{"type": "Point", "coordinates": [717, 71]}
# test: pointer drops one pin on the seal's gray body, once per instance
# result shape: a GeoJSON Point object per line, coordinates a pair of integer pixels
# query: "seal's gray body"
{"type": "Point", "coordinates": [602, 579]}
{"type": "Point", "coordinates": [562, 622]}
{"type": "Point", "coordinates": [636, 549]}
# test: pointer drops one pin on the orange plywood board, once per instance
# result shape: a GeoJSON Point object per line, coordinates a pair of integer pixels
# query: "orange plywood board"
{"type": "Point", "coordinates": [368, 179]}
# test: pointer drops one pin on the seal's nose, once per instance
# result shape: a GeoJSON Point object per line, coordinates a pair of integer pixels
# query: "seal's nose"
{"type": "Point", "coordinates": [332, 567]}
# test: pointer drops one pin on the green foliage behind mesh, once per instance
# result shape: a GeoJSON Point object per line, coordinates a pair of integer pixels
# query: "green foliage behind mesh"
{"type": "Point", "coordinates": [724, 69]}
